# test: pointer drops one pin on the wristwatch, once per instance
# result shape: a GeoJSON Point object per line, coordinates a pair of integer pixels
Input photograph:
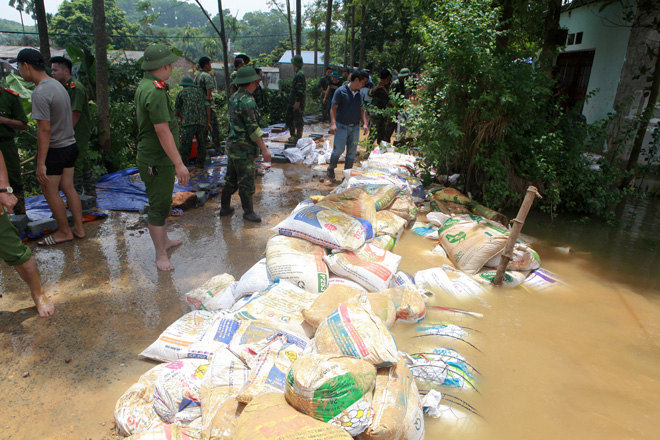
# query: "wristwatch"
{"type": "Point", "coordinates": [8, 189]}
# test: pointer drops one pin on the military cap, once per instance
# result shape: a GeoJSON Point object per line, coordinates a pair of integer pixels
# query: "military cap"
{"type": "Point", "coordinates": [157, 56]}
{"type": "Point", "coordinates": [297, 61]}
{"type": "Point", "coordinates": [243, 56]}
{"type": "Point", "coordinates": [335, 75]}
{"type": "Point", "coordinates": [245, 75]}
{"type": "Point", "coordinates": [404, 72]}
{"type": "Point", "coordinates": [187, 82]}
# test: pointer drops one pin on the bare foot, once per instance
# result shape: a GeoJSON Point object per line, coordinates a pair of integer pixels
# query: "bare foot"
{"type": "Point", "coordinates": [173, 243]}
{"type": "Point", "coordinates": [44, 305]}
{"type": "Point", "coordinates": [163, 263]}
{"type": "Point", "coordinates": [79, 233]}
{"type": "Point", "coordinates": [61, 237]}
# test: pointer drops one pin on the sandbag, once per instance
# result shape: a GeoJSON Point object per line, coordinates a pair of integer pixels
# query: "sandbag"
{"type": "Point", "coordinates": [326, 227]}
{"type": "Point", "coordinates": [370, 266]}
{"type": "Point", "coordinates": [446, 280]}
{"type": "Point", "coordinates": [333, 389]}
{"type": "Point", "coordinates": [396, 405]}
{"type": "Point", "coordinates": [471, 241]}
{"type": "Point", "coordinates": [223, 423]}
{"type": "Point", "coordinates": [402, 278]}
{"type": "Point", "coordinates": [254, 280]}
{"type": "Point", "coordinates": [134, 411]}
{"type": "Point", "coordinates": [388, 223]}
{"type": "Point", "coordinates": [449, 208]}
{"type": "Point", "coordinates": [353, 330]}
{"type": "Point", "coordinates": [512, 278]}
{"type": "Point", "coordinates": [298, 261]}
{"type": "Point", "coordinates": [216, 337]}
{"type": "Point", "coordinates": [281, 304]}
{"type": "Point", "coordinates": [541, 280]}
{"type": "Point", "coordinates": [253, 336]}
{"type": "Point", "coordinates": [409, 303]}
{"type": "Point", "coordinates": [214, 294]}
{"type": "Point", "coordinates": [225, 377]}
{"type": "Point", "coordinates": [339, 281]}
{"type": "Point", "coordinates": [451, 195]}
{"type": "Point", "coordinates": [269, 369]}
{"type": "Point", "coordinates": [353, 202]}
{"type": "Point", "coordinates": [270, 417]}
{"type": "Point", "coordinates": [174, 342]}
{"type": "Point", "coordinates": [425, 230]}
{"type": "Point", "coordinates": [166, 431]}
{"type": "Point", "coordinates": [442, 366]}
{"type": "Point", "coordinates": [328, 301]}
{"type": "Point", "coordinates": [488, 213]}
{"type": "Point", "coordinates": [386, 242]}
{"type": "Point", "coordinates": [524, 258]}
{"type": "Point", "coordinates": [177, 391]}
{"type": "Point", "coordinates": [404, 206]}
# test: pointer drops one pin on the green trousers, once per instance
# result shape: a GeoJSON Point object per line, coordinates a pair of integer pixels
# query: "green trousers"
{"type": "Point", "coordinates": [12, 249]}
{"type": "Point", "coordinates": [13, 162]}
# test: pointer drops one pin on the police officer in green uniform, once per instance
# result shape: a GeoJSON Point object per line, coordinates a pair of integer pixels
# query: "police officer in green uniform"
{"type": "Point", "coordinates": [83, 179]}
{"type": "Point", "coordinates": [294, 111]}
{"type": "Point", "coordinates": [12, 118]}
{"type": "Point", "coordinates": [243, 145]}
{"type": "Point", "coordinates": [14, 252]}
{"type": "Point", "coordinates": [205, 82]}
{"type": "Point", "coordinates": [158, 159]}
{"type": "Point", "coordinates": [194, 111]}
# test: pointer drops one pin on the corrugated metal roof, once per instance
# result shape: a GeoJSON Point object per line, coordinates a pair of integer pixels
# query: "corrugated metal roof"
{"type": "Point", "coordinates": [307, 56]}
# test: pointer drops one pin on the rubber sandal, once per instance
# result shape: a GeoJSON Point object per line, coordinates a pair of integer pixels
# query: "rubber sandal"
{"type": "Point", "coordinates": [50, 241]}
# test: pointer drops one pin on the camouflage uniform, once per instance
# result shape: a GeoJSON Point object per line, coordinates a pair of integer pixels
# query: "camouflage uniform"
{"type": "Point", "coordinates": [205, 82]}
{"type": "Point", "coordinates": [294, 120]}
{"type": "Point", "coordinates": [382, 125]}
{"type": "Point", "coordinates": [242, 148]}
{"type": "Point", "coordinates": [191, 104]}
{"type": "Point", "coordinates": [322, 86]}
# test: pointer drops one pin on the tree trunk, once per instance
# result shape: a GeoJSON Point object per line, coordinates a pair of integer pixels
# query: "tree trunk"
{"type": "Point", "coordinates": [328, 31]}
{"type": "Point", "coordinates": [298, 27]}
{"type": "Point", "coordinates": [550, 32]}
{"type": "Point", "coordinates": [102, 99]}
{"type": "Point", "coordinates": [23, 26]}
{"type": "Point", "coordinates": [288, 19]}
{"type": "Point", "coordinates": [363, 35]}
{"type": "Point", "coordinates": [42, 24]}
{"type": "Point", "coordinates": [505, 19]}
{"type": "Point", "coordinates": [225, 51]}
{"type": "Point", "coordinates": [316, 49]}
{"type": "Point", "coordinates": [352, 46]}
{"type": "Point", "coordinates": [346, 25]}
{"type": "Point", "coordinates": [644, 123]}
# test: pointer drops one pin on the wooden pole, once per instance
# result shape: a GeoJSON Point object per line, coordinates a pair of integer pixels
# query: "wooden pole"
{"type": "Point", "coordinates": [518, 223]}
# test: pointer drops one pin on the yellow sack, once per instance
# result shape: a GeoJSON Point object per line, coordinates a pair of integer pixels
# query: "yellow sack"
{"type": "Point", "coordinates": [270, 417]}
{"type": "Point", "coordinates": [353, 202]}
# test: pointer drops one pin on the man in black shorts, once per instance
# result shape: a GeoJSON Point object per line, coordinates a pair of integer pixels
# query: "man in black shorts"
{"type": "Point", "coordinates": [57, 150]}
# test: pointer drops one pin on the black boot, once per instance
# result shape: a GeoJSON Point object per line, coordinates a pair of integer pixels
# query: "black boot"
{"type": "Point", "coordinates": [248, 212]}
{"type": "Point", "coordinates": [225, 204]}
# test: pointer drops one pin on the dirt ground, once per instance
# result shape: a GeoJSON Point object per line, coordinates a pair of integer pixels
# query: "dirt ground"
{"type": "Point", "coordinates": [111, 303]}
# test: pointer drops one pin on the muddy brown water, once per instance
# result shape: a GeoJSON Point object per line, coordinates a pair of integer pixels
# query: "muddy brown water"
{"type": "Point", "coordinates": [581, 362]}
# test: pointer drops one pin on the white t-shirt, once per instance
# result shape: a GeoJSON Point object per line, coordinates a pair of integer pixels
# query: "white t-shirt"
{"type": "Point", "coordinates": [50, 102]}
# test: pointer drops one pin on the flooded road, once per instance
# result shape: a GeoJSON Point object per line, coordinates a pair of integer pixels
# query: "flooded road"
{"type": "Point", "coordinates": [581, 362]}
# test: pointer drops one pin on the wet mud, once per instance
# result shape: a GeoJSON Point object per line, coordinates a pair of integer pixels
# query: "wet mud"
{"type": "Point", "coordinates": [580, 362]}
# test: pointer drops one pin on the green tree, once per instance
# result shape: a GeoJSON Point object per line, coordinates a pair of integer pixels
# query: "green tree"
{"type": "Point", "coordinates": [73, 21]}
{"type": "Point", "coordinates": [261, 32]}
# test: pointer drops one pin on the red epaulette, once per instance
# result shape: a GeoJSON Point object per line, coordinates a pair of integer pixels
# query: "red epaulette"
{"type": "Point", "coordinates": [12, 92]}
{"type": "Point", "coordinates": [160, 84]}
{"type": "Point", "coordinates": [72, 85]}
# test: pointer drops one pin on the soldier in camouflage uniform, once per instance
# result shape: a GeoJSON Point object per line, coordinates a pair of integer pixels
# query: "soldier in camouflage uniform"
{"type": "Point", "coordinates": [243, 145]}
{"type": "Point", "coordinates": [205, 82]}
{"type": "Point", "coordinates": [194, 111]}
{"type": "Point", "coordinates": [296, 108]}
{"type": "Point", "coordinates": [380, 98]}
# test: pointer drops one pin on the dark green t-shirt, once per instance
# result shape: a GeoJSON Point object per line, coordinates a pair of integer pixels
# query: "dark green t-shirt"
{"type": "Point", "coordinates": [80, 102]}
{"type": "Point", "coordinates": [10, 107]}
{"type": "Point", "coordinates": [153, 106]}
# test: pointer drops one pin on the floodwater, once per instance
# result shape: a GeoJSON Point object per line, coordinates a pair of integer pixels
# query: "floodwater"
{"type": "Point", "coordinates": [581, 362]}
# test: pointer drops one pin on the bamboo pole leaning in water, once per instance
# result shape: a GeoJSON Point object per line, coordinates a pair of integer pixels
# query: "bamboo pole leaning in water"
{"type": "Point", "coordinates": [518, 223]}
